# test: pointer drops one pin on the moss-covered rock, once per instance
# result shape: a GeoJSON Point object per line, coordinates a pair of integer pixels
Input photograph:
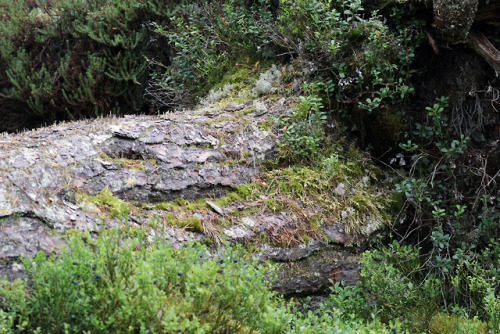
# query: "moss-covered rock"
{"type": "Point", "coordinates": [208, 176]}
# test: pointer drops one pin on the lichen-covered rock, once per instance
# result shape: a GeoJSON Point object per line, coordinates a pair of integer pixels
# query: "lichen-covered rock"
{"type": "Point", "coordinates": [83, 176]}
{"type": "Point", "coordinates": [24, 238]}
{"type": "Point", "coordinates": [454, 18]}
{"type": "Point", "coordinates": [142, 159]}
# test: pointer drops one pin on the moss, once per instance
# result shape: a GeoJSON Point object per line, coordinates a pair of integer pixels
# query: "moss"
{"type": "Point", "coordinates": [397, 201]}
{"type": "Point", "coordinates": [273, 98]}
{"type": "Point", "coordinates": [220, 119]}
{"type": "Point", "coordinates": [172, 205]}
{"type": "Point", "coordinates": [236, 85]}
{"type": "Point", "coordinates": [192, 223]}
{"type": "Point", "coordinates": [244, 212]}
{"type": "Point", "coordinates": [272, 204]}
{"type": "Point", "coordinates": [309, 195]}
{"type": "Point", "coordinates": [128, 163]}
{"type": "Point", "coordinates": [180, 201]}
{"type": "Point", "coordinates": [245, 191]}
{"type": "Point", "coordinates": [247, 111]}
{"type": "Point", "coordinates": [169, 216]}
{"type": "Point", "coordinates": [195, 206]}
{"type": "Point", "coordinates": [233, 99]}
{"type": "Point", "coordinates": [443, 323]}
{"type": "Point", "coordinates": [153, 222]}
{"type": "Point", "coordinates": [68, 234]}
{"type": "Point", "coordinates": [242, 74]}
{"type": "Point", "coordinates": [182, 205]}
{"type": "Point", "coordinates": [224, 222]}
{"type": "Point", "coordinates": [266, 125]}
{"type": "Point", "coordinates": [106, 203]}
{"type": "Point", "coordinates": [207, 242]}
{"type": "Point", "coordinates": [164, 205]}
{"type": "Point", "coordinates": [224, 201]}
{"type": "Point", "coordinates": [72, 233]}
{"type": "Point", "coordinates": [237, 75]}
{"type": "Point", "coordinates": [239, 193]}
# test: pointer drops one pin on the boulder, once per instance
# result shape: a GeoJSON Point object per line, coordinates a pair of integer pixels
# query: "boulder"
{"type": "Point", "coordinates": [84, 176]}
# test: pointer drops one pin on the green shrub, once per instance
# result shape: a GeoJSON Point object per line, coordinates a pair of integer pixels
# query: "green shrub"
{"type": "Point", "coordinates": [473, 278]}
{"type": "Point", "coordinates": [207, 38]}
{"type": "Point", "coordinates": [349, 301]}
{"type": "Point", "coordinates": [66, 59]}
{"type": "Point", "coordinates": [492, 308]}
{"type": "Point", "coordinates": [399, 289]}
{"type": "Point", "coordinates": [397, 284]}
{"type": "Point", "coordinates": [303, 130]}
{"type": "Point", "coordinates": [363, 64]}
{"type": "Point", "coordinates": [122, 284]}
{"type": "Point", "coordinates": [454, 218]}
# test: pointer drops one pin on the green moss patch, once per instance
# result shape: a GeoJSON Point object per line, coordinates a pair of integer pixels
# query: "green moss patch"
{"type": "Point", "coordinates": [193, 223]}
{"type": "Point", "coordinates": [104, 204]}
{"type": "Point", "coordinates": [181, 205]}
{"type": "Point", "coordinates": [443, 323]}
{"type": "Point", "coordinates": [244, 71]}
{"type": "Point", "coordinates": [128, 163]}
{"type": "Point", "coordinates": [340, 188]}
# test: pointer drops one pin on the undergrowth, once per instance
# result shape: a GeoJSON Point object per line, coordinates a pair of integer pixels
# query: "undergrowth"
{"type": "Point", "coordinates": [124, 284]}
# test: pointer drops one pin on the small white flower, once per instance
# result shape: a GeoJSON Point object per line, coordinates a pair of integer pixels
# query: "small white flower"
{"type": "Point", "coordinates": [345, 82]}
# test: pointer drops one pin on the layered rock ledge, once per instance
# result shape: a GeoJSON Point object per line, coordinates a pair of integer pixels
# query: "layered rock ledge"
{"type": "Point", "coordinates": [48, 175]}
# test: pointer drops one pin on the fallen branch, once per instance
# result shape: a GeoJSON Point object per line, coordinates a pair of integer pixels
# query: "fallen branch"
{"type": "Point", "coordinates": [479, 43]}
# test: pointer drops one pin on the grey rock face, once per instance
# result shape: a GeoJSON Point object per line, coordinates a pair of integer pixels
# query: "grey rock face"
{"type": "Point", "coordinates": [144, 160]}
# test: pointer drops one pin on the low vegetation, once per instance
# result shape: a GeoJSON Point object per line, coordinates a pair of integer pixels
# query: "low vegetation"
{"type": "Point", "coordinates": [124, 284]}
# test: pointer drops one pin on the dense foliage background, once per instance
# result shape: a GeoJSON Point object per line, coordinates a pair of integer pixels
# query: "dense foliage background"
{"type": "Point", "coordinates": [359, 75]}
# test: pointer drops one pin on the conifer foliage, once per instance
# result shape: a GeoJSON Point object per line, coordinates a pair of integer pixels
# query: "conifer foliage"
{"type": "Point", "coordinates": [66, 59]}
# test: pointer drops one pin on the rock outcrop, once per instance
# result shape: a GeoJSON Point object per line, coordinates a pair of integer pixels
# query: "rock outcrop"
{"type": "Point", "coordinates": [65, 179]}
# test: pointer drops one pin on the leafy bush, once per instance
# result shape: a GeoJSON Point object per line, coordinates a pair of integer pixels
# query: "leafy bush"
{"type": "Point", "coordinates": [122, 284]}
{"type": "Point", "coordinates": [125, 284]}
{"type": "Point", "coordinates": [350, 300]}
{"type": "Point", "coordinates": [393, 277]}
{"type": "Point", "coordinates": [207, 37]}
{"type": "Point", "coordinates": [303, 130]}
{"type": "Point", "coordinates": [398, 284]}
{"type": "Point", "coordinates": [446, 215]}
{"type": "Point", "coordinates": [473, 278]}
{"type": "Point", "coordinates": [362, 64]}
{"type": "Point", "coordinates": [66, 59]}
